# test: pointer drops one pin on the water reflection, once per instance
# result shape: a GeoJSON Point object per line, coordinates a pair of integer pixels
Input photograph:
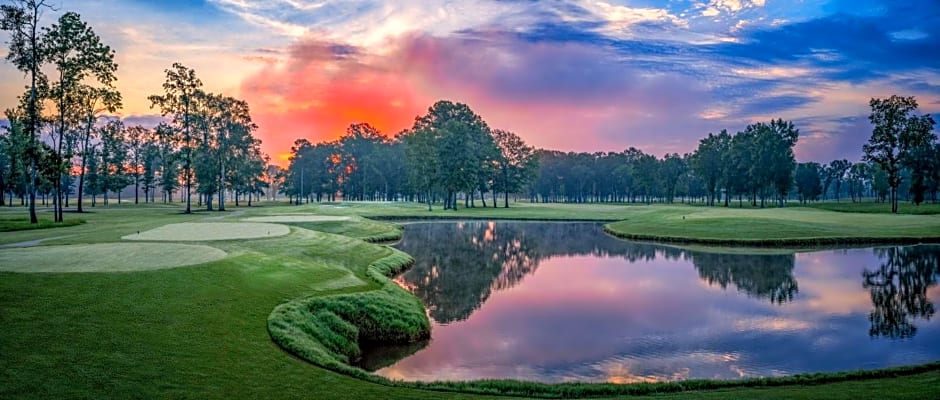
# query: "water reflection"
{"type": "Point", "coordinates": [762, 276]}
{"type": "Point", "coordinates": [560, 302]}
{"type": "Point", "coordinates": [502, 257]}
{"type": "Point", "coordinates": [899, 289]}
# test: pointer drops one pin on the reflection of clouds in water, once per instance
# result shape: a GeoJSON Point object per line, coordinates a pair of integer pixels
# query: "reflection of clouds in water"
{"type": "Point", "coordinates": [771, 324]}
{"type": "Point", "coordinates": [552, 302]}
{"type": "Point", "coordinates": [829, 282]}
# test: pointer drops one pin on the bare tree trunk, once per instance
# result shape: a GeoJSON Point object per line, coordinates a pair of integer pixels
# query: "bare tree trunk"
{"type": "Point", "coordinates": [222, 186]}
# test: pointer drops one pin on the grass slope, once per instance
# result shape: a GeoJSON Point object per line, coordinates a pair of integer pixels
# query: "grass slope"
{"type": "Point", "coordinates": [357, 227]}
{"type": "Point", "coordinates": [327, 330]}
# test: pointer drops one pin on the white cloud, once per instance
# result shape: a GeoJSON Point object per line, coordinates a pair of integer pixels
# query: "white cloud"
{"type": "Point", "coordinates": [623, 17]}
{"type": "Point", "coordinates": [716, 7]}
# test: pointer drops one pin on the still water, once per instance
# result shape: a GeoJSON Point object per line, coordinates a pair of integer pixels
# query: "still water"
{"type": "Point", "coordinates": [560, 302]}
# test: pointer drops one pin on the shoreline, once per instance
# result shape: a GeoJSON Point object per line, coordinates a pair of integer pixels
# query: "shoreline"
{"type": "Point", "coordinates": [518, 388]}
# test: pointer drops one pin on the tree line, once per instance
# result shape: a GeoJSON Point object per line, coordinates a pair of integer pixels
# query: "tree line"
{"type": "Point", "coordinates": [62, 134]}
{"type": "Point", "coordinates": [451, 151]}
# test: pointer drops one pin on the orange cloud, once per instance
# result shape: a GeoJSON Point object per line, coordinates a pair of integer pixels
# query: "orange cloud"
{"type": "Point", "coordinates": [322, 89]}
{"type": "Point", "coordinates": [554, 95]}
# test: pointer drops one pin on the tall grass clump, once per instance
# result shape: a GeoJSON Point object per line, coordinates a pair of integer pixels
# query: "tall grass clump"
{"type": "Point", "coordinates": [328, 330]}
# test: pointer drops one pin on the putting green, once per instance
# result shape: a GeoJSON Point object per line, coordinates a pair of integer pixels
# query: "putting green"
{"type": "Point", "coordinates": [106, 257]}
{"type": "Point", "coordinates": [206, 231]}
{"type": "Point", "coordinates": [297, 218]}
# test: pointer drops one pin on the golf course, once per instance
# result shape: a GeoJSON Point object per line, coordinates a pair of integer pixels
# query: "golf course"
{"type": "Point", "coordinates": [275, 301]}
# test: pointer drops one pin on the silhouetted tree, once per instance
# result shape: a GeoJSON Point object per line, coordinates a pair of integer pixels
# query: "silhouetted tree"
{"type": "Point", "coordinates": [898, 131]}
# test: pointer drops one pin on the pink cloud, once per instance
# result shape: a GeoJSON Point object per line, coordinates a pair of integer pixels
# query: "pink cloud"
{"type": "Point", "coordinates": [555, 95]}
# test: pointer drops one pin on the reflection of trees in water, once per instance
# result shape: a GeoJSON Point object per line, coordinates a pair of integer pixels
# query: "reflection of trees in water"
{"type": "Point", "coordinates": [763, 276]}
{"type": "Point", "coordinates": [899, 289]}
{"type": "Point", "coordinates": [459, 265]}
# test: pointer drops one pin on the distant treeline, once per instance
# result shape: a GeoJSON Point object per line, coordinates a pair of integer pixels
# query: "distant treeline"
{"type": "Point", "coordinates": [451, 152]}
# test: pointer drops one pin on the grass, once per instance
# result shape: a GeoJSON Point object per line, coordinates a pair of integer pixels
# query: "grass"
{"type": "Point", "coordinates": [774, 227]}
{"type": "Point", "coordinates": [208, 231]}
{"type": "Point", "coordinates": [106, 257]}
{"type": "Point", "coordinates": [357, 227]}
{"type": "Point", "coordinates": [296, 218]}
{"type": "Point", "coordinates": [203, 332]}
{"type": "Point", "coordinates": [412, 211]}
{"type": "Point", "coordinates": [22, 224]}
{"type": "Point", "coordinates": [870, 207]}
{"type": "Point", "coordinates": [327, 330]}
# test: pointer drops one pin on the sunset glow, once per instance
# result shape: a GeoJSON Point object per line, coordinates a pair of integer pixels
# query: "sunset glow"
{"type": "Point", "coordinates": [569, 75]}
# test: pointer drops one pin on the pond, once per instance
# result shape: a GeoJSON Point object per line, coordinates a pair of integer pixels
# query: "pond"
{"type": "Point", "coordinates": [559, 302]}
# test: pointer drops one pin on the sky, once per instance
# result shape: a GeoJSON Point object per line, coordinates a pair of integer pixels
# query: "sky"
{"type": "Point", "coordinates": [572, 75]}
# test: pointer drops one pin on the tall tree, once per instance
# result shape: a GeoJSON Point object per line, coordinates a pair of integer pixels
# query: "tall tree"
{"type": "Point", "coordinates": [358, 153]}
{"type": "Point", "coordinates": [710, 161]}
{"type": "Point", "coordinates": [836, 174]}
{"type": "Point", "coordinates": [94, 183]}
{"type": "Point", "coordinates": [150, 160]}
{"type": "Point", "coordinates": [463, 144]}
{"type": "Point", "coordinates": [898, 129]}
{"type": "Point", "coordinates": [6, 162]}
{"type": "Point", "coordinates": [21, 19]}
{"type": "Point", "coordinates": [238, 149]}
{"type": "Point", "coordinates": [808, 182]}
{"type": "Point", "coordinates": [166, 139]}
{"type": "Point", "coordinates": [423, 162]}
{"type": "Point", "coordinates": [672, 169]}
{"type": "Point", "coordinates": [516, 165]}
{"type": "Point", "coordinates": [15, 144]}
{"type": "Point", "coordinates": [77, 53]}
{"type": "Point", "coordinates": [180, 90]}
{"type": "Point", "coordinates": [782, 159]}
{"type": "Point", "coordinates": [136, 139]}
{"type": "Point", "coordinates": [93, 101]}
{"type": "Point", "coordinates": [113, 154]}
{"type": "Point", "coordinates": [922, 163]}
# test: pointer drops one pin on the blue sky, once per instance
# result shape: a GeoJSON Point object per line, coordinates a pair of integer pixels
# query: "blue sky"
{"type": "Point", "coordinates": [569, 75]}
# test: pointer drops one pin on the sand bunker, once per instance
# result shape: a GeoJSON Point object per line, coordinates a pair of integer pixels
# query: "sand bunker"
{"type": "Point", "coordinates": [297, 218]}
{"type": "Point", "coordinates": [106, 257]}
{"type": "Point", "coordinates": [198, 232]}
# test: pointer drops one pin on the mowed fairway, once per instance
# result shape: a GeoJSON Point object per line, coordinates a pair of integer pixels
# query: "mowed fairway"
{"type": "Point", "coordinates": [297, 218]}
{"type": "Point", "coordinates": [106, 257]}
{"type": "Point", "coordinates": [201, 331]}
{"type": "Point", "coordinates": [778, 226]}
{"type": "Point", "coordinates": [208, 231]}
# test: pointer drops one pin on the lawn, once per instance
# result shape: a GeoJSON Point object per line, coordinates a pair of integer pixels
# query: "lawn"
{"type": "Point", "coordinates": [871, 207]}
{"type": "Point", "coordinates": [795, 226]}
{"type": "Point", "coordinates": [209, 231]}
{"type": "Point", "coordinates": [202, 331]}
{"type": "Point", "coordinates": [21, 223]}
{"type": "Point", "coordinates": [106, 257]}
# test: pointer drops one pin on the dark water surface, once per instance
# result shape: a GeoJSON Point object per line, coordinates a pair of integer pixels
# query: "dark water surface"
{"type": "Point", "coordinates": [562, 302]}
